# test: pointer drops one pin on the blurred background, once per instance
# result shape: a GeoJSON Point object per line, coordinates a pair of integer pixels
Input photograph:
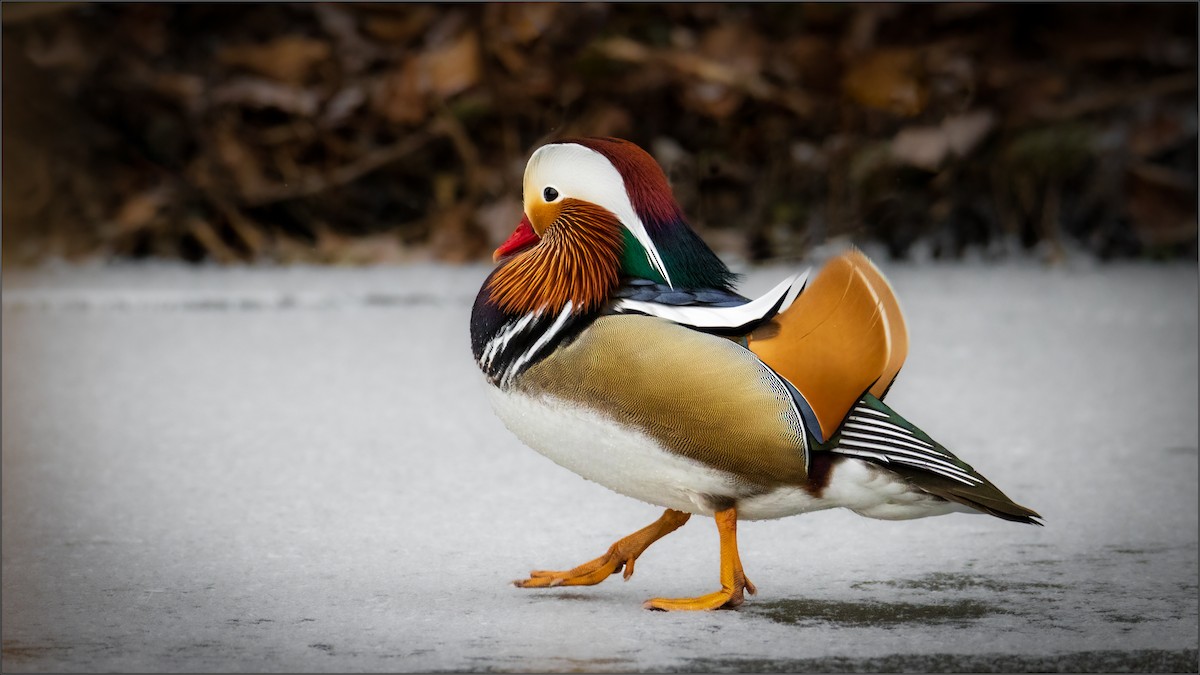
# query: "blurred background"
{"type": "Point", "coordinates": [273, 452]}
{"type": "Point", "coordinates": [368, 133]}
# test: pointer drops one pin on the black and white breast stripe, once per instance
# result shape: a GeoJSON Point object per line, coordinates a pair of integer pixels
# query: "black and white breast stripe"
{"type": "Point", "coordinates": [520, 341]}
{"type": "Point", "coordinates": [871, 434]}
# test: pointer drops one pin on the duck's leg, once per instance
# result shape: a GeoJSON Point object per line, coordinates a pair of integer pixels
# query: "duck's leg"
{"type": "Point", "coordinates": [621, 554]}
{"type": "Point", "coordinates": [733, 580]}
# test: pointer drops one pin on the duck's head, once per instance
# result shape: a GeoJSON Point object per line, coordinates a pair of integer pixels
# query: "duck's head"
{"type": "Point", "coordinates": [605, 203]}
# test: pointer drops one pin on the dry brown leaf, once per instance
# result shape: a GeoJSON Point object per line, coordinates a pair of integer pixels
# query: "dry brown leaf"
{"type": "Point", "coordinates": [513, 59]}
{"type": "Point", "coordinates": [511, 28]}
{"type": "Point", "coordinates": [140, 208]}
{"type": "Point", "coordinates": [402, 26]}
{"type": "Point", "coordinates": [210, 241]}
{"type": "Point", "coordinates": [343, 104]}
{"type": "Point", "coordinates": [730, 66]}
{"type": "Point", "coordinates": [888, 80]}
{"type": "Point", "coordinates": [240, 162]}
{"type": "Point", "coordinates": [624, 49]}
{"type": "Point", "coordinates": [926, 147]}
{"type": "Point", "coordinates": [712, 99]}
{"type": "Point", "coordinates": [922, 147]}
{"type": "Point", "coordinates": [288, 59]}
{"type": "Point", "coordinates": [250, 232]}
{"type": "Point", "coordinates": [253, 92]}
{"type": "Point", "coordinates": [710, 80]}
{"type": "Point", "coordinates": [403, 95]}
{"type": "Point", "coordinates": [398, 95]}
{"type": "Point", "coordinates": [453, 67]}
{"type": "Point", "coordinates": [316, 183]}
{"type": "Point", "coordinates": [527, 21]}
{"type": "Point", "coordinates": [353, 51]}
{"type": "Point", "coordinates": [965, 132]}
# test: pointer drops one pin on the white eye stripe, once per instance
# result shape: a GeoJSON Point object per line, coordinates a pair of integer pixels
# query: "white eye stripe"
{"type": "Point", "coordinates": [581, 173]}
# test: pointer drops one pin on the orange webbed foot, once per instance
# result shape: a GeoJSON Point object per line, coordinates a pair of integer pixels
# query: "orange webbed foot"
{"type": "Point", "coordinates": [587, 574]}
{"type": "Point", "coordinates": [733, 580]}
{"type": "Point", "coordinates": [621, 555]}
{"type": "Point", "coordinates": [726, 598]}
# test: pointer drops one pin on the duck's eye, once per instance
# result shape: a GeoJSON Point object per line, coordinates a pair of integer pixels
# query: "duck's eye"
{"type": "Point", "coordinates": [549, 194]}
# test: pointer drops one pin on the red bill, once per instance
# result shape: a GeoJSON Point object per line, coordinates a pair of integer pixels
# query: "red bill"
{"type": "Point", "coordinates": [522, 238]}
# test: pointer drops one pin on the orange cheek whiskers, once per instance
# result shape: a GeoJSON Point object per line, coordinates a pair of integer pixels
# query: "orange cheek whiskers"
{"type": "Point", "coordinates": [578, 260]}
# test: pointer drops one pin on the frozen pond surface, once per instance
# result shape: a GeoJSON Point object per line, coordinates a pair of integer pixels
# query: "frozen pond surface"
{"type": "Point", "coordinates": [297, 470]}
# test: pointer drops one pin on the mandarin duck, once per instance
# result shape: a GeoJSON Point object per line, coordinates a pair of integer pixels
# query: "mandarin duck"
{"type": "Point", "coordinates": [613, 342]}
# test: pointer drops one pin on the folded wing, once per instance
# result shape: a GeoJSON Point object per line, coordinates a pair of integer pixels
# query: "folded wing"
{"type": "Point", "coordinates": [832, 339]}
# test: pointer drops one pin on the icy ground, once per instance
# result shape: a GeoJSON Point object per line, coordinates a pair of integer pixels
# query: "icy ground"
{"type": "Point", "coordinates": [297, 470]}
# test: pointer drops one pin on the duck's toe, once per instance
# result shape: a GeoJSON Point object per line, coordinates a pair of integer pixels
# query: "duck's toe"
{"type": "Point", "coordinates": [733, 580]}
{"type": "Point", "coordinates": [726, 598]}
{"type": "Point", "coordinates": [587, 574]}
{"type": "Point", "coordinates": [620, 555]}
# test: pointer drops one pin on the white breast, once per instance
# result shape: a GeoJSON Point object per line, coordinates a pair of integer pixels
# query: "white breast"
{"type": "Point", "coordinates": [615, 456]}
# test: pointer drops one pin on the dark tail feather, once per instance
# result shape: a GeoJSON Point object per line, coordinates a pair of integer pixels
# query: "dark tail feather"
{"type": "Point", "coordinates": [875, 432]}
{"type": "Point", "coordinates": [985, 497]}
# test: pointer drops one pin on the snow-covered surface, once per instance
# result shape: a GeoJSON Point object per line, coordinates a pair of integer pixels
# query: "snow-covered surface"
{"type": "Point", "coordinates": [297, 470]}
